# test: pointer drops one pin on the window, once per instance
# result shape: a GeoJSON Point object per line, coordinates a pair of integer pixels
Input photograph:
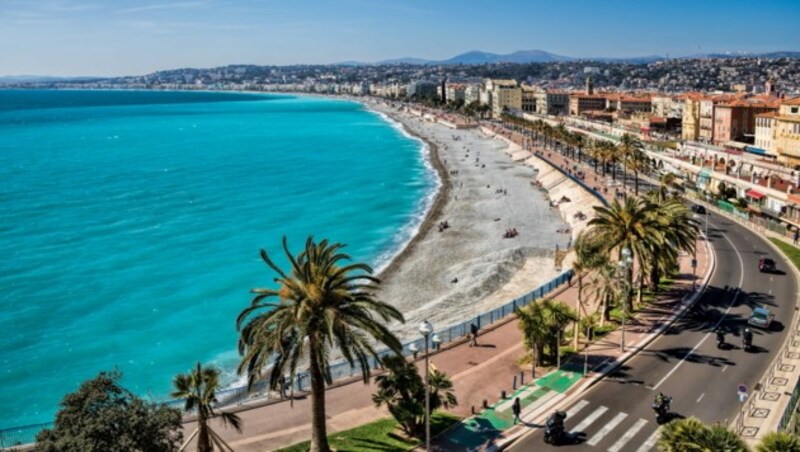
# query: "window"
{"type": "Point", "coordinates": [795, 109]}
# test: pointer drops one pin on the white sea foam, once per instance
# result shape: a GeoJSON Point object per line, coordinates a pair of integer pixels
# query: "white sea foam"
{"type": "Point", "coordinates": [411, 229]}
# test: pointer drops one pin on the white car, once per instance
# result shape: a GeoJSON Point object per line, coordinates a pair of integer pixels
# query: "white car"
{"type": "Point", "coordinates": [761, 317]}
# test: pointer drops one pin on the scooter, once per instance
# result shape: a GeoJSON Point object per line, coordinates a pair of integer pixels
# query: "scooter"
{"type": "Point", "coordinates": [662, 410]}
{"type": "Point", "coordinates": [720, 340]}
{"type": "Point", "coordinates": [747, 342]}
{"type": "Point", "coordinates": [554, 428]}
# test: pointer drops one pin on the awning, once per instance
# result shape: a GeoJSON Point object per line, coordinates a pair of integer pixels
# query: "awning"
{"type": "Point", "coordinates": [754, 194]}
{"type": "Point", "coordinates": [736, 145]}
{"type": "Point", "coordinates": [755, 150]}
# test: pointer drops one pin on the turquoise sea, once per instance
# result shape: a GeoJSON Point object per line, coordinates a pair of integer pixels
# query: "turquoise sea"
{"type": "Point", "coordinates": [131, 224]}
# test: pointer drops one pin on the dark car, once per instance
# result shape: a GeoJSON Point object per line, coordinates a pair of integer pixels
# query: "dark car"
{"type": "Point", "coordinates": [699, 209]}
{"type": "Point", "coordinates": [766, 264]}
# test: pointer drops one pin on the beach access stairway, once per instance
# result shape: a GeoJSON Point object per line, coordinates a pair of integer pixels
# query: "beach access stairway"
{"type": "Point", "coordinates": [580, 201]}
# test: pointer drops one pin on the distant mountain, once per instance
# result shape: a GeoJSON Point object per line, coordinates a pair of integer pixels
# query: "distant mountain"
{"type": "Point", "coordinates": [407, 60]}
{"type": "Point", "coordinates": [541, 56]}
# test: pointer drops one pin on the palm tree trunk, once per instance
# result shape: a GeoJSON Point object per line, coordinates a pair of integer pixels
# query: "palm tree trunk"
{"type": "Point", "coordinates": [636, 182]}
{"type": "Point", "coordinates": [319, 436]}
{"type": "Point", "coordinates": [203, 438]}
{"type": "Point", "coordinates": [578, 320]}
{"type": "Point", "coordinates": [639, 295]}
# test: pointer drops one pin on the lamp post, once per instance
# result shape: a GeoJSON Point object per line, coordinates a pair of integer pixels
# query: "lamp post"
{"type": "Point", "coordinates": [425, 328]}
{"type": "Point", "coordinates": [624, 264]}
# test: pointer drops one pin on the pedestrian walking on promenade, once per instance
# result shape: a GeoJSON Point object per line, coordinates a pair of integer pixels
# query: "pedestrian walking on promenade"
{"type": "Point", "coordinates": [473, 335]}
{"type": "Point", "coordinates": [796, 236]}
{"type": "Point", "coordinates": [516, 408]}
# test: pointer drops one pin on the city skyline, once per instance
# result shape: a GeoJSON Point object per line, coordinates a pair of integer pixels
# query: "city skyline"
{"type": "Point", "coordinates": [90, 38]}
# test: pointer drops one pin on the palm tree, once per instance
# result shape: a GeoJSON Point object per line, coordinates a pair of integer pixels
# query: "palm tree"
{"type": "Point", "coordinates": [588, 256]}
{"type": "Point", "coordinates": [559, 315]}
{"type": "Point", "coordinates": [198, 390]}
{"type": "Point", "coordinates": [542, 323]}
{"type": "Point", "coordinates": [322, 305]}
{"type": "Point", "coordinates": [606, 289]}
{"type": "Point", "coordinates": [779, 442]}
{"type": "Point", "coordinates": [627, 145]}
{"type": "Point", "coordinates": [632, 225]}
{"type": "Point", "coordinates": [402, 390]}
{"type": "Point", "coordinates": [638, 162]}
{"type": "Point", "coordinates": [692, 435]}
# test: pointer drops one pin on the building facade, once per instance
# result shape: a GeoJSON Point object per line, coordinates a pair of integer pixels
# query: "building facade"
{"type": "Point", "coordinates": [787, 132]}
{"type": "Point", "coordinates": [765, 133]}
{"type": "Point", "coordinates": [579, 104]}
{"type": "Point", "coordinates": [506, 95]}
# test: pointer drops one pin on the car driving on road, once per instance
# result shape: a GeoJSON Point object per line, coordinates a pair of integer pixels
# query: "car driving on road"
{"type": "Point", "coordinates": [761, 317]}
{"type": "Point", "coordinates": [766, 264]}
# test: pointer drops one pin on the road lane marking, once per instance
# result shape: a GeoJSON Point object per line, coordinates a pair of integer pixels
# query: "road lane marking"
{"type": "Point", "coordinates": [701, 397]}
{"type": "Point", "coordinates": [648, 445]}
{"type": "Point", "coordinates": [589, 419]}
{"type": "Point", "coordinates": [627, 436]}
{"type": "Point", "coordinates": [725, 368]}
{"type": "Point", "coordinates": [576, 408]}
{"type": "Point", "coordinates": [730, 305]}
{"type": "Point", "coordinates": [594, 440]}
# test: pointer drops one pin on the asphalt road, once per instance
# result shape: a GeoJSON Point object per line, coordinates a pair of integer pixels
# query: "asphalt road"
{"type": "Point", "coordinates": [684, 362]}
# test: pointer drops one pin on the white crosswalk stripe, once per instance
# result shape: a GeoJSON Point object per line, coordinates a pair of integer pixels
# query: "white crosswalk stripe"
{"type": "Point", "coordinates": [576, 408]}
{"type": "Point", "coordinates": [611, 425]}
{"type": "Point", "coordinates": [638, 425]}
{"type": "Point", "coordinates": [589, 419]}
{"type": "Point", "coordinates": [648, 445]}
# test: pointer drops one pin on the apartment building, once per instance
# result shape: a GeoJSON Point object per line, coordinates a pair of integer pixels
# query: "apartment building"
{"type": "Point", "coordinates": [787, 132]}
{"type": "Point", "coordinates": [580, 104]}
{"type": "Point", "coordinates": [506, 95]}
{"type": "Point", "coordinates": [552, 102]}
{"type": "Point", "coordinates": [690, 119]}
{"type": "Point", "coordinates": [736, 120]}
{"type": "Point", "coordinates": [529, 98]}
{"type": "Point", "coordinates": [765, 133]}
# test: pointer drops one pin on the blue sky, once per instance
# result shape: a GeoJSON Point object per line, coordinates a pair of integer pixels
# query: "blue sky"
{"type": "Point", "coordinates": [117, 37]}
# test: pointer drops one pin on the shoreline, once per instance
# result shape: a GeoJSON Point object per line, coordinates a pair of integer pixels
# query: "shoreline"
{"type": "Point", "coordinates": [469, 268]}
{"type": "Point", "coordinates": [433, 211]}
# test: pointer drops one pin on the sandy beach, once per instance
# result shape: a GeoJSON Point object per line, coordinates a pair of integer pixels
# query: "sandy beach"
{"type": "Point", "coordinates": [448, 276]}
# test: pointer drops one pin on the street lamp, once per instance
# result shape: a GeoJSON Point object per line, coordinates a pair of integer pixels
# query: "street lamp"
{"type": "Point", "coordinates": [624, 264]}
{"type": "Point", "coordinates": [425, 328]}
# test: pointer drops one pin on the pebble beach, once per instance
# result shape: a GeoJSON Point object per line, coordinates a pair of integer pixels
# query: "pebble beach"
{"type": "Point", "coordinates": [490, 236]}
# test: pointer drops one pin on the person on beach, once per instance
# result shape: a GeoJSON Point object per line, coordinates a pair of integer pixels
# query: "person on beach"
{"type": "Point", "coordinates": [473, 335]}
{"type": "Point", "coordinates": [516, 408]}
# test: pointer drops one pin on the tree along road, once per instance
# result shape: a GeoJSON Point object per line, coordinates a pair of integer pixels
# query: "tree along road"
{"type": "Point", "coordinates": [684, 362]}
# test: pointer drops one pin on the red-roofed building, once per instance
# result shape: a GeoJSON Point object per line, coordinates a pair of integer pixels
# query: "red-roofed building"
{"type": "Point", "coordinates": [736, 120]}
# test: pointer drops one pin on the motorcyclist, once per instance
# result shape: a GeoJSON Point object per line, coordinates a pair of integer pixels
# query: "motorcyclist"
{"type": "Point", "coordinates": [720, 336]}
{"type": "Point", "coordinates": [747, 336]}
{"type": "Point", "coordinates": [554, 428]}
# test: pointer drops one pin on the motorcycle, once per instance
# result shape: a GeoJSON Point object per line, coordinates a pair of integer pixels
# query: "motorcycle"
{"type": "Point", "coordinates": [662, 410]}
{"type": "Point", "coordinates": [720, 340]}
{"type": "Point", "coordinates": [554, 428]}
{"type": "Point", "coordinates": [747, 342]}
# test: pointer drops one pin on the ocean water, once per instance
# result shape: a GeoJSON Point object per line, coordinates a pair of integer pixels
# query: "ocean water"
{"type": "Point", "coordinates": [131, 224]}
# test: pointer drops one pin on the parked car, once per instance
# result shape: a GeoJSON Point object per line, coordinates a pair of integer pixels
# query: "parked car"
{"type": "Point", "coordinates": [766, 265]}
{"type": "Point", "coordinates": [698, 209]}
{"type": "Point", "coordinates": [761, 317]}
